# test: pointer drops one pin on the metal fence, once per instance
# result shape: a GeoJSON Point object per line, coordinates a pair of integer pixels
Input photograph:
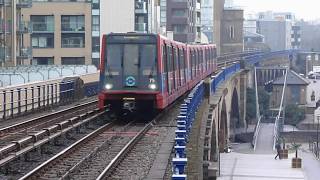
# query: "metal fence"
{"type": "Point", "coordinates": [28, 99]}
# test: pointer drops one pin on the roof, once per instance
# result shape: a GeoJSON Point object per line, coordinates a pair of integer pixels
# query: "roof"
{"type": "Point", "coordinates": [292, 79]}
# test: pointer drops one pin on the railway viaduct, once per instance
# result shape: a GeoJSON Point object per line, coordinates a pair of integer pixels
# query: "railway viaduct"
{"type": "Point", "coordinates": [225, 113]}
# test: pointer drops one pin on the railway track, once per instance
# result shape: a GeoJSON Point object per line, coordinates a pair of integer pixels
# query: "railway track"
{"type": "Point", "coordinates": [87, 158]}
{"type": "Point", "coordinates": [15, 140]}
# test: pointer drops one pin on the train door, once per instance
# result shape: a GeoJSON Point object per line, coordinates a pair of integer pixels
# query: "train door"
{"type": "Point", "coordinates": [171, 84]}
{"type": "Point", "coordinates": [175, 67]}
{"type": "Point", "coordinates": [178, 65]}
{"type": "Point", "coordinates": [165, 78]}
{"type": "Point", "coordinates": [182, 66]}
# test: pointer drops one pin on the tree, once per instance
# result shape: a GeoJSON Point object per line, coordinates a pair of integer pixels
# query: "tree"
{"type": "Point", "coordinates": [250, 104]}
{"type": "Point", "coordinates": [264, 98]}
{"type": "Point", "coordinates": [294, 114]}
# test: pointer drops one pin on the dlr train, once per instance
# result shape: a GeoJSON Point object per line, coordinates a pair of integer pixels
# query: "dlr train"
{"type": "Point", "coordinates": [147, 72]}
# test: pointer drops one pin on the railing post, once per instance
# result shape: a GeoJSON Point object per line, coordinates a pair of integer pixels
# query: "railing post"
{"type": "Point", "coordinates": [44, 96]}
{"type": "Point", "coordinates": [11, 97]}
{"type": "Point", "coordinates": [56, 88]}
{"type": "Point", "coordinates": [39, 95]}
{"type": "Point", "coordinates": [26, 99]}
{"type": "Point", "coordinates": [19, 100]}
{"type": "Point", "coordinates": [32, 98]}
{"type": "Point", "coordinates": [4, 104]}
{"type": "Point", "coordinates": [48, 94]}
{"type": "Point", "coordinates": [52, 101]}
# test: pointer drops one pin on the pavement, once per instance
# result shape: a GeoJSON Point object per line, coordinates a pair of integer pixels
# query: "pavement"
{"type": "Point", "coordinates": [243, 163]}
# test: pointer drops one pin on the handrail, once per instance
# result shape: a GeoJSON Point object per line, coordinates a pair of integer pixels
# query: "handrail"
{"type": "Point", "coordinates": [276, 129]}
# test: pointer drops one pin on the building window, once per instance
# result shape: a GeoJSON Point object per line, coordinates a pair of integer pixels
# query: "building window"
{"type": "Point", "coordinates": [42, 23]}
{"type": "Point", "coordinates": [96, 62]}
{"type": "Point", "coordinates": [72, 60]}
{"type": "Point", "coordinates": [42, 61]}
{"type": "Point", "coordinates": [72, 23]}
{"type": "Point", "coordinates": [73, 40]}
{"type": "Point", "coordinates": [231, 32]}
{"type": "Point", "coordinates": [95, 44]}
{"type": "Point", "coordinates": [179, 28]}
{"type": "Point", "coordinates": [179, 12]}
{"type": "Point", "coordinates": [42, 40]}
{"type": "Point", "coordinates": [95, 23]}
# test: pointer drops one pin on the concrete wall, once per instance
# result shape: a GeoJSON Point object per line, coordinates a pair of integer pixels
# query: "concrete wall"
{"type": "Point", "coordinates": [54, 8]}
{"type": "Point", "coordinates": [116, 16]}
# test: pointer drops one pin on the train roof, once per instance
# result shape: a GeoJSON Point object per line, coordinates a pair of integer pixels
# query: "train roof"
{"type": "Point", "coordinates": [161, 36]}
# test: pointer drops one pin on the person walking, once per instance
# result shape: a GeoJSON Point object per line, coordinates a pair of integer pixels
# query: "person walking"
{"type": "Point", "coordinates": [278, 148]}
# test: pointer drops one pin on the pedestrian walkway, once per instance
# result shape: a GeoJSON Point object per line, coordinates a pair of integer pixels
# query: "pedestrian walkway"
{"type": "Point", "coordinates": [265, 139]}
{"type": "Point", "coordinates": [240, 166]}
{"type": "Point", "coordinates": [310, 164]}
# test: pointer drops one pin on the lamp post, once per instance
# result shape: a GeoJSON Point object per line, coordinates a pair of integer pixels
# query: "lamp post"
{"type": "Point", "coordinates": [318, 118]}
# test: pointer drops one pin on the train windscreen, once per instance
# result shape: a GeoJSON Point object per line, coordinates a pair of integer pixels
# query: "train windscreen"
{"type": "Point", "coordinates": [131, 63]}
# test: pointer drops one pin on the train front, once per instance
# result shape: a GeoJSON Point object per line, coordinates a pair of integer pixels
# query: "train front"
{"type": "Point", "coordinates": [129, 73]}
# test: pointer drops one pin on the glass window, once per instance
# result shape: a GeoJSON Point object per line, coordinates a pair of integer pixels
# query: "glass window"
{"type": "Point", "coordinates": [42, 40]}
{"type": "Point", "coordinates": [113, 61]}
{"type": "Point", "coordinates": [131, 59]}
{"type": "Point", "coordinates": [73, 40]}
{"type": "Point", "coordinates": [148, 60]}
{"type": "Point", "coordinates": [42, 23]}
{"type": "Point", "coordinates": [72, 23]}
{"type": "Point", "coordinates": [42, 61]}
{"type": "Point", "coordinates": [72, 60]}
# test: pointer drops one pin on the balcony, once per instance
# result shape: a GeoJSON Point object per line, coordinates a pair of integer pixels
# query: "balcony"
{"type": "Point", "coordinates": [25, 53]}
{"type": "Point", "coordinates": [24, 3]}
{"type": "Point", "coordinates": [141, 7]}
{"type": "Point", "coordinates": [73, 27]}
{"type": "Point", "coordinates": [5, 27]}
{"type": "Point", "coordinates": [40, 27]}
{"type": "Point", "coordinates": [24, 27]}
{"type": "Point", "coordinates": [5, 52]}
{"type": "Point", "coordinates": [141, 27]}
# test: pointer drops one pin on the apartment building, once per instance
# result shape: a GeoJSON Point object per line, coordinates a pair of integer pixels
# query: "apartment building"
{"type": "Point", "coordinates": [207, 19]}
{"type": "Point", "coordinates": [65, 32]}
{"type": "Point", "coordinates": [184, 19]}
{"type": "Point", "coordinates": [141, 16]}
{"type": "Point", "coordinates": [12, 30]}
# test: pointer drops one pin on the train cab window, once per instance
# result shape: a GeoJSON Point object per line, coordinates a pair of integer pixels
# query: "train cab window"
{"type": "Point", "coordinates": [113, 60]}
{"type": "Point", "coordinates": [131, 59]}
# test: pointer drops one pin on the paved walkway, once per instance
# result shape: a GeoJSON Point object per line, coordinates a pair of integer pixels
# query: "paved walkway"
{"type": "Point", "coordinates": [245, 164]}
{"type": "Point", "coordinates": [239, 166]}
{"type": "Point", "coordinates": [265, 139]}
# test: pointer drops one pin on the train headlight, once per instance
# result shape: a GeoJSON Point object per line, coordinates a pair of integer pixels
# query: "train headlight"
{"type": "Point", "coordinates": [152, 86]}
{"type": "Point", "coordinates": [108, 86]}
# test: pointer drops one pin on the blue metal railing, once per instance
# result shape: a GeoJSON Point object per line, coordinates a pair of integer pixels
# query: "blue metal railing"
{"type": "Point", "coordinates": [186, 117]}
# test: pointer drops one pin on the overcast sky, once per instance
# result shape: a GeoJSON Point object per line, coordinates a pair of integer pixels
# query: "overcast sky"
{"type": "Point", "coordinates": [306, 9]}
